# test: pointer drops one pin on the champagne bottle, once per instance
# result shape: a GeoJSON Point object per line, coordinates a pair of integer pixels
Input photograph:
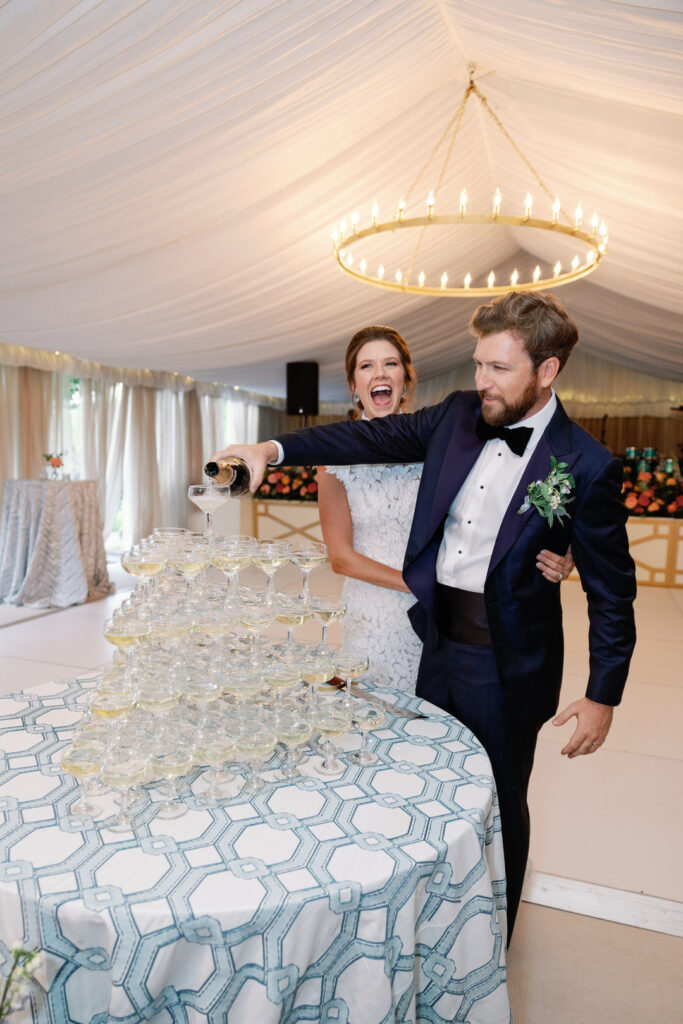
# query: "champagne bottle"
{"type": "Point", "coordinates": [233, 472]}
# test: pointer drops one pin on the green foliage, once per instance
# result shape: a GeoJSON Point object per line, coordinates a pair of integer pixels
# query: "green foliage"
{"type": "Point", "coordinates": [550, 497]}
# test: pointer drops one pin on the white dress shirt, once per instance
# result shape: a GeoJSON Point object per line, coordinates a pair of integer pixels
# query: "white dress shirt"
{"type": "Point", "coordinates": [478, 508]}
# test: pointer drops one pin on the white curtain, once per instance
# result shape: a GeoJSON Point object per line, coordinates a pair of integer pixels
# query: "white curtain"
{"type": "Point", "coordinates": [34, 420]}
{"type": "Point", "coordinates": [104, 415]}
{"type": "Point", "coordinates": [142, 508]}
{"type": "Point", "coordinates": [172, 457]}
{"type": "Point", "coordinates": [241, 423]}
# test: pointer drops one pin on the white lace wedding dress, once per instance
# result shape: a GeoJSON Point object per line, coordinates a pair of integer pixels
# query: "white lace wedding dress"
{"type": "Point", "coordinates": [381, 500]}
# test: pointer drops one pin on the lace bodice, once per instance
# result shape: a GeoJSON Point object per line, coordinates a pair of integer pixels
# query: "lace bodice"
{"type": "Point", "coordinates": [382, 501]}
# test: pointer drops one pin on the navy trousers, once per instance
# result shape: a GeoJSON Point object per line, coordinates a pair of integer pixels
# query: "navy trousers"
{"type": "Point", "coordinates": [463, 680]}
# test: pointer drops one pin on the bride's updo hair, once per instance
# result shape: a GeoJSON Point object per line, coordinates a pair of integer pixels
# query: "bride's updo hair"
{"type": "Point", "coordinates": [377, 332]}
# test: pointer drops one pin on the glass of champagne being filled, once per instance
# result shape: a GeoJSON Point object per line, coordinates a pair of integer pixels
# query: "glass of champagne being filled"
{"type": "Point", "coordinates": [209, 498]}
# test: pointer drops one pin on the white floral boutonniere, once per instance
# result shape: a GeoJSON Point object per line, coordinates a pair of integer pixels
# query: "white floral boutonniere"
{"type": "Point", "coordinates": [550, 497]}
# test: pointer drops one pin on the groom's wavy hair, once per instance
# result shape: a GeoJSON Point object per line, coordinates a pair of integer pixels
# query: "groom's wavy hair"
{"type": "Point", "coordinates": [377, 332]}
{"type": "Point", "coordinates": [537, 318]}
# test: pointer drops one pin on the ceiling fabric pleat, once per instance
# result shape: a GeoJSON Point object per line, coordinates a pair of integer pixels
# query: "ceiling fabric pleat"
{"type": "Point", "coordinates": [170, 173]}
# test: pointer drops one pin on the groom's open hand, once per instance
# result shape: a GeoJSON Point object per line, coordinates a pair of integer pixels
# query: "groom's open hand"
{"type": "Point", "coordinates": [592, 725]}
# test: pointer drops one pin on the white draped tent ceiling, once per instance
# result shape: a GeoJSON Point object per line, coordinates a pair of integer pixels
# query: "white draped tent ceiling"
{"type": "Point", "coordinates": [170, 173]}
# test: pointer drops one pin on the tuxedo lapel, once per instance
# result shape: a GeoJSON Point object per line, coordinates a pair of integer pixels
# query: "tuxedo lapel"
{"type": "Point", "coordinates": [464, 448]}
{"type": "Point", "coordinates": [554, 441]}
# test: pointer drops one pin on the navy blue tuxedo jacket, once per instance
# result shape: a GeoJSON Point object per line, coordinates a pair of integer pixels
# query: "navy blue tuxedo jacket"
{"type": "Point", "coordinates": [524, 611]}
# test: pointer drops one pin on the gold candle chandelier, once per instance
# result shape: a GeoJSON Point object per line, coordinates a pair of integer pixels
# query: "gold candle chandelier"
{"type": "Point", "coordinates": [591, 240]}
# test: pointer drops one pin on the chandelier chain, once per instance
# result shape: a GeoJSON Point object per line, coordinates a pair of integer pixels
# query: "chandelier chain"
{"type": "Point", "coordinates": [482, 99]}
{"type": "Point", "coordinates": [458, 116]}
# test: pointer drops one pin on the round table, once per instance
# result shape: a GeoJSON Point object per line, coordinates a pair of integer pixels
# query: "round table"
{"type": "Point", "coordinates": [378, 896]}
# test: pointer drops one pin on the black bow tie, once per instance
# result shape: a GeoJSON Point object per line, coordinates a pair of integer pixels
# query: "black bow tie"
{"type": "Point", "coordinates": [516, 438]}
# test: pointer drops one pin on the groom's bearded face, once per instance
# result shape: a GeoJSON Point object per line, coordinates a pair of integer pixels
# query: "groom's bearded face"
{"type": "Point", "coordinates": [506, 380]}
{"type": "Point", "coordinates": [503, 412]}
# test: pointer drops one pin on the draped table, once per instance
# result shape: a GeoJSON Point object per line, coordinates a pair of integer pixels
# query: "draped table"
{"type": "Point", "coordinates": [371, 898]}
{"type": "Point", "coordinates": [51, 546]}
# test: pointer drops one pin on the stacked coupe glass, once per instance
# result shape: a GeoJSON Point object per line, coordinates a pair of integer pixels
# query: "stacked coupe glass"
{"type": "Point", "coordinates": [194, 682]}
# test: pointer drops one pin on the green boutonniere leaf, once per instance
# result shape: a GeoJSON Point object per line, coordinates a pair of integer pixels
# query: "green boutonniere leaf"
{"type": "Point", "coordinates": [551, 496]}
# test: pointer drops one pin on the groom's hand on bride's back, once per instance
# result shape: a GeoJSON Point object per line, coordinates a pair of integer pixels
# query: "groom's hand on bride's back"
{"type": "Point", "coordinates": [256, 456]}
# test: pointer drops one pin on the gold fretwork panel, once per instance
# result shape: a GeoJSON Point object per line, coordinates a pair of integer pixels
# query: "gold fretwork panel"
{"type": "Point", "coordinates": [286, 520]}
{"type": "Point", "coordinates": [657, 549]}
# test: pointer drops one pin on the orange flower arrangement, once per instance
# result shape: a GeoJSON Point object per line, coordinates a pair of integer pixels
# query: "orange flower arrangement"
{"type": "Point", "coordinates": [54, 460]}
{"type": "Point", "coordinates": [652, 494]}
{"type": "Point", "coordinates": [290, 483]}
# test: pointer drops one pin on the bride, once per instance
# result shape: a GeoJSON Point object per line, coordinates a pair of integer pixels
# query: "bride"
{"type": "Point", "coordinates": [366, 514]}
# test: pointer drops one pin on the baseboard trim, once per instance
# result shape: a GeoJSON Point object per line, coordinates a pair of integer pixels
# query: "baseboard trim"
{"type": "Point", "coordinates": [618, 905]}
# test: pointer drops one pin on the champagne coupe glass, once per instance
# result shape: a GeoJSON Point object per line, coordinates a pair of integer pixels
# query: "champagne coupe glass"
{"type": "Point", "coordinates": [209, 498]}
{"type": "Point", "coordinates": [256, 616]}
{"type": "Point", "coordinates": [168, 537]}
{"type": "Point", "coordinates": [327, 611]}
{"type": "Point", "coordinates": [216, 620]}
{"type": "Point", "coordinates": [151, 562]}
{"type": "Point", "coordinates": [293, 728]}
{"type": "Point", "coordinates": [190, 560]}
{"type": "Point", "coordinates": [292, 612]}
{"type": "Point", "coordinates": [83, 765]}
{"type": "Point", "coordinates": [331, 718]}
{"type": "Point", "coordinates": [257, 743]}
{"type": "Point", "coordinates": [269, 555]}
{"type": "Point", "coordinates": [230, 555]}
{"type": "Point", "coordinates": [124, 769]}
{"type": "Point", "coordinates": [214, 749]}
{"type": "Point", "coordinates": [168, 628]}
{"type": "Point", "coordinates": [159, 696]}
{"type": "Point", "coordinates": [306, 557]}
{"type": "Point", "coordinates": [349, 666]}
{"type": "Point", "coordinates": [93, 739]}
{"type": "Point", "coordinates": [170, 764]}
{"type": "Point", "coordinates": [113, 706]}
{"type": "Point", "coordinates": [125, 631]}
{"type": "Point", "coordinates": [243, 683]}
{"type": "Point", "coordinates": [316, 669]}
{"type": "Point", "coordinates": [365, 717]}
{"type": "Point", "coordinates": [202, 691]}
{"type": "Point", "coordinates": [280, 677]}
{"type": "Point", "coordinates": [130, 562]}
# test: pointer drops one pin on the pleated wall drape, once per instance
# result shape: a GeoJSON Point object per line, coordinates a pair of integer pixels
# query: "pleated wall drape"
{"type": "Point", "coordinates": [33, 419]}
{"type": "Point", "coordinates": [142, 444]}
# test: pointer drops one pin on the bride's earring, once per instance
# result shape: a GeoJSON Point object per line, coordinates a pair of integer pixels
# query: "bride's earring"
{"type": "Point", "coordinates": [355, 398]}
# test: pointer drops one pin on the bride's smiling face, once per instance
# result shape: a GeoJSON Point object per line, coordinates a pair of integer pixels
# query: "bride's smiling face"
{"type": "Point", "coordinates": [379, 378]}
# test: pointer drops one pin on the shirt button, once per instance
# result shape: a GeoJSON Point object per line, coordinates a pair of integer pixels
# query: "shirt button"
{"type": "Point", "coordinates": [459, 552]}
{"type": "Point", "coordinates": [481, 487]}
{"type": "Point", "coordinates": [499, 454]}
{"type": "Point", "coordinates": [469, 522]}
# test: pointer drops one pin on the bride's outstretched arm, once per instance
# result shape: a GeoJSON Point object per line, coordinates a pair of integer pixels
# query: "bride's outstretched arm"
{"type": "Point", "coordinates": [337, 527]}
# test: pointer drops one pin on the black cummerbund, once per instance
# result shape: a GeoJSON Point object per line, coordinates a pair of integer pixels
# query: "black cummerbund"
{"type": "Point", "coordinates": [462, 616]}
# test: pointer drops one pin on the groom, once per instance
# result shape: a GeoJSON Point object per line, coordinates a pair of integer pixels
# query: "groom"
{"type": "Point", "coordinates": [491, 624]}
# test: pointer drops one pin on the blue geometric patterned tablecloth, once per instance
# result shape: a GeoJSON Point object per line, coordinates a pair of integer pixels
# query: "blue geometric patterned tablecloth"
{"type": "Point", "coordinates": [372, 898]}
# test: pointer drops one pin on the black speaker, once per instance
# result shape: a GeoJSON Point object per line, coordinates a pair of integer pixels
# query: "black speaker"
{"type": "Point", "coordinates": [302, 389]}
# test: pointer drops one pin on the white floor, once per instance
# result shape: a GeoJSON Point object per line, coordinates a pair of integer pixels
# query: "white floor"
{"type": "Point", "coordinates": [612, 819]}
